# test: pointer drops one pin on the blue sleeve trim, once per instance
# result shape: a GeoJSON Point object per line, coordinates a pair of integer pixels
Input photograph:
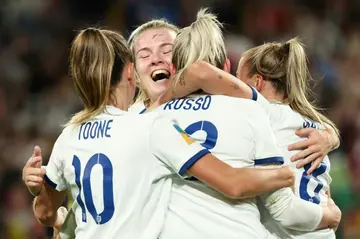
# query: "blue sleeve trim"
{"type": "Point", "coordinates": [255, 95]}
{"type": "Point", "coordinates": [51, 183]}
{"type": "Point", "coordinates": [269, 160]}
{"type": "Point", "coordinates": [192, 160]}
{"type": "Point", "coordinates": [143, 111]}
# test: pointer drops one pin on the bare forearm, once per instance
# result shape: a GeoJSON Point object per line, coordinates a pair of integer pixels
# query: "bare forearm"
{"type": "Point", "coordinates": [46, 204]}
{"type": "Point", "coordinates": [203, 76]}
{"type": "Point", "coordinates": [258, 181]}
{"type": "Point", "coordinates": [43, 209]}
{"type": "Point", "coordinates": [238, 183]}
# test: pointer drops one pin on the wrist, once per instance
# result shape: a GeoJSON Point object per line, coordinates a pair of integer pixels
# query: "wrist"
{"type": "Point", "coordinates": [332, 139]}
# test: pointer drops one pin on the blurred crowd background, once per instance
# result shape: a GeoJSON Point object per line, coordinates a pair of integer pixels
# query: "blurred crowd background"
{"type": "Point", "coordinates": [36, 92]}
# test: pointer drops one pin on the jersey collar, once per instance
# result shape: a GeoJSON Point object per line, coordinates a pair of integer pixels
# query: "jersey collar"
{"type": "Point", "coordinates": [114, 111]}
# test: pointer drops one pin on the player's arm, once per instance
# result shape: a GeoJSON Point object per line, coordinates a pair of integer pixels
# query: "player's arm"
{"type": "Point", "coordinates": [185, 156]}
{"type": "Point", "coordinates": [297, 214]}
{"type": "Point", "coordinates": [46, 205]}
{"type": "Point", "coordinates": [289, 210]}
{"type": "Point", "coordinates": [239, 183]}
{"type": "Point", "coordinates": [33, 176]}
{"type": "Point", "coordinates": [53, 190]}
{"type": "Point", "coordinates": [204, 76]}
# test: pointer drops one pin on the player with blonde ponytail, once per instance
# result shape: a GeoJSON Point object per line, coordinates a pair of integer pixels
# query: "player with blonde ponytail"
{"type": "Point", "coordinates": [239, 131]}
{"type": "Point", "coordinates": [278, 71]}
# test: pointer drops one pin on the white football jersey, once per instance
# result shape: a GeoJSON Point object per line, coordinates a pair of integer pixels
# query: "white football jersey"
{"type": "Point", "coordinates": [137, 108]}
{"type": "Point", "coordinates": [117, 166]}
{"type": "Point", "coordinates": [284, 122]}
{"type": "Point", "coordinates": [236, 131]}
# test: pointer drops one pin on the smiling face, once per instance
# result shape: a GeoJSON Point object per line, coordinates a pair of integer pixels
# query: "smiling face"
{"type": "Point", "coordinates": [153, 53]}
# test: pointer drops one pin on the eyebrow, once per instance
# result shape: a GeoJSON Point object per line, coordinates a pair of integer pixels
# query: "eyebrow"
{"type": "Point", "coordinates": [161, 45]}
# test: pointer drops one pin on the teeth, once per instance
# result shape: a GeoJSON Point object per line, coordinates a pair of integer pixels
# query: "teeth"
{"type": "Point", "coordinates": [165, 72]}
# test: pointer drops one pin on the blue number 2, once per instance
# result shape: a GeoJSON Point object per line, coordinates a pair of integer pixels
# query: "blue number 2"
{"type": "Point", "coordinates": [305, 179]}
{"type": "Point", "coordinates": [211, 135]}
{"type": "Point", "coordinates": [108, 194]}
{"type": "Point", "coordinates": [209, 128]}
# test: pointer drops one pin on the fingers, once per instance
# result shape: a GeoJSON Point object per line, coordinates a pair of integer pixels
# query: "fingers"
{"type": "Point", "coordinates": [305, 132]}
{"type": "Point", "coordinates": [33, 179]}
{"type": "Point", "coordinates": [34, 162]}
{"type": "Point", "coordinates": [300, 145]}
{"type": "Point", "coordinates": [303, 154]}
{"type": "Point", "coordinates": [310, 158]}
{"type": "Point", "coordinates": [314, 166]}
{"type": "Point", "coordinates": [34, 171]}
{"type": "Point", "coordinates": [37, 151]}
{"type": "Point", "coordinates": [32, 185]}
{"type": "Point", "coordinates": [288, 176]}
{"type": "Point", "coordinates": [287, 171]}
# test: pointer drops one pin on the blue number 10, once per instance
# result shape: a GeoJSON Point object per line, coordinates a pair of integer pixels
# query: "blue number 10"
{"type": "Point", "coordinates": [108, 194]}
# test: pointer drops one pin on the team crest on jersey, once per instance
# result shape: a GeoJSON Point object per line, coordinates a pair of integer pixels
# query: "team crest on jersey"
{"type": "Point", "coordinates": [183, 134]}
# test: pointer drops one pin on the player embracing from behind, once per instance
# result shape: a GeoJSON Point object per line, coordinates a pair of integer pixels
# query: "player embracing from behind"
{"type": "Point", "coordinates": [239, 131]}
{"type": "Point", "coordinates": [117, 164]}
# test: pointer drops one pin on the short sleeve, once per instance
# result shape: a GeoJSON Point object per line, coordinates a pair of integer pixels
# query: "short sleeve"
{"type": "Point", "coordinates": [266, 148]}
{"type": "Point", "coordinates": [55, 168]}
{"type": "Point", "coordinates": [171, 145]}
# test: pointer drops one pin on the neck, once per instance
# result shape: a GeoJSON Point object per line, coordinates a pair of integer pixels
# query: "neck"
{"type": "Point", "coordinates": [271, 94]}
{"type": "Point", "coordinates": [153, 99]}
{"type": "Point", "coordinates": [120, 99]}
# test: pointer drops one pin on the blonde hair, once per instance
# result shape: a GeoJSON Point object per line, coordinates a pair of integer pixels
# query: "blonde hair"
{"type": "Point", "coordinates": [97, 59]}
{"type": "Point", "coordinates": [153, 24]}
{"type": "Point", "coordinates": [285, 65]}
{"type": "Point", "coordinates": [201, 41]}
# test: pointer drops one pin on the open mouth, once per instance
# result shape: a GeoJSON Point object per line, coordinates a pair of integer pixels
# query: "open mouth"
{"type": "Point", "coordinates": [160, 75]}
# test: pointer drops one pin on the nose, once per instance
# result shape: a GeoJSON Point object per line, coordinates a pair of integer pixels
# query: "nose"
{"type": "Point", "coordinates": [156, 59]}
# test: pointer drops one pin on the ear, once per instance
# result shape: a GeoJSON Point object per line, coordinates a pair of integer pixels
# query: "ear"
{"type": "Point", "coordinates": [227, 65]}
{"type": "Point", "coordinates": [130, 74]}
{"type": "Point", "coordinates": [172, 69]}
{"type": "Point", "coordinates": [259, 82]}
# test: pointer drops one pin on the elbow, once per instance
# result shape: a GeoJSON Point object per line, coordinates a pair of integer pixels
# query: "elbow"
{"type": "Point", "coordinates": [236, 192]}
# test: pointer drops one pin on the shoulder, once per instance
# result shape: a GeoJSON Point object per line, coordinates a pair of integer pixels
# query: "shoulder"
{"type": "Point", "coordinates": [137, 107]}
{"type": "Point", "coordinates": [239, 103]}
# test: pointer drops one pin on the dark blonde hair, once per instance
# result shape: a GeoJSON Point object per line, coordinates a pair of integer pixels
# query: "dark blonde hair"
{"type": "Point", "coordinates": [97, 59]}
{"type": "Point", "coordinates": [201, 41]}
{"type": "Point", "coordinates": [285, 66]}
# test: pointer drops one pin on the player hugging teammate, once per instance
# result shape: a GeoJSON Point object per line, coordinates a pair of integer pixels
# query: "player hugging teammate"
{"type": "Point", "coordinates": [143, 176]}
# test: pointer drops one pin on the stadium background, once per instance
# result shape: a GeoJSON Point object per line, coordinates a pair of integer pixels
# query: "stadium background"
{"type": "Point", "coordinates": [36, 93]}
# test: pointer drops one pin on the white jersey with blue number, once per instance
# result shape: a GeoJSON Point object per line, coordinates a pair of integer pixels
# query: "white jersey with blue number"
{"type": "Point", "coordinates": [284, 122]}
{"type": "Point", "coordinates": [117, 166]}
{"type": "Point", "coordinates": [236, 131]}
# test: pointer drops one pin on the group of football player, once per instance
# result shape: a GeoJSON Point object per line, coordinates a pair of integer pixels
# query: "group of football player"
{"type": "Point", "coordinates": [200, 154]}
